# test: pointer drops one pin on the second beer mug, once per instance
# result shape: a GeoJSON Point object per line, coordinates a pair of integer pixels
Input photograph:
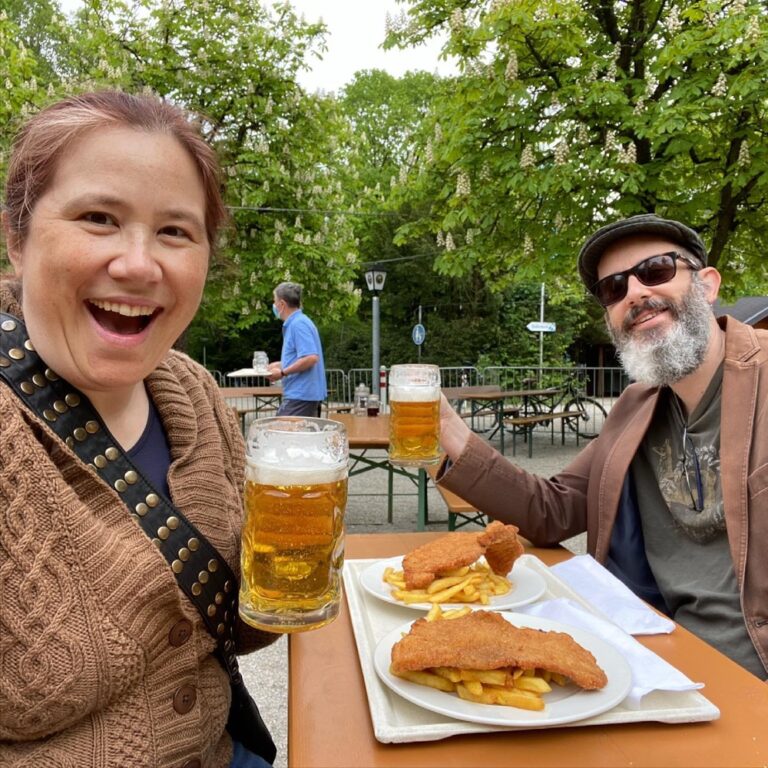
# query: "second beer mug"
{"type": "Point", "coordinates": [293, 533]}
{"type": "Point", "coordinates": [414, 418]}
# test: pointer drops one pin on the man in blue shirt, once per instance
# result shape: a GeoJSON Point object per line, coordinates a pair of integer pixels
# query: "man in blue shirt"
{"type": "Point", "coordinates": [301, 366]}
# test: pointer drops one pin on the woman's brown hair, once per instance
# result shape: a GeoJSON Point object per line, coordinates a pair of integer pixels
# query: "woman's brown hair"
{"type": "Point", "coordinates": [43, 139]}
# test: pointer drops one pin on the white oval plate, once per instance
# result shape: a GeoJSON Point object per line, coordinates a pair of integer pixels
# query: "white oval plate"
{"type": "Point", "coordinates": [527, 586]}
{"type": "Point", "coordinates": [563, 705]}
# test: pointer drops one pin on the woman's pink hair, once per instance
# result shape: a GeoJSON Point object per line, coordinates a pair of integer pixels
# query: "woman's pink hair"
{"type": "Point", "coordinates": [45, 137]}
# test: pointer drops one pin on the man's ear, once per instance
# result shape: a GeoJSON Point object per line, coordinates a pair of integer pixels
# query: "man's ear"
{"type": "Point", "coordinates": [12, 243]}
{"type": "Point", "coordinates": [711, 279]}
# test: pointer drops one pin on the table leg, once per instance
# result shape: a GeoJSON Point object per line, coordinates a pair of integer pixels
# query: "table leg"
{"type": "Point", "coordinates": [421, 523]}
{"type": "Point", "coordinates": [500, 417]}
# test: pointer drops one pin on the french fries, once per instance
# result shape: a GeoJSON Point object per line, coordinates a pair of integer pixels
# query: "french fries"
{"type": "Point", "coordinates": [508, 687]}
{"type": "Point", "coordinates": [471, 584]}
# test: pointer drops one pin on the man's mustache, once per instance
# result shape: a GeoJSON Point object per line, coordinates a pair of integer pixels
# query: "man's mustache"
{"type": "Point", "coordinates": [648, 305]}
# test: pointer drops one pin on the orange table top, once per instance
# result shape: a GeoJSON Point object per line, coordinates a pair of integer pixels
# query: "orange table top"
{"type": "Point", "coordinates": [365, 431]}
{"type": "Point", "coordinates": [251, 391]}
{"type": "Point", "coordinates": [329, 722]}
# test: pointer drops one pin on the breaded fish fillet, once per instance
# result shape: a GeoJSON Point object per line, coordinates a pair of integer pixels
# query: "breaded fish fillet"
{"type": "Point", "coordinates": [485, 640]}
{"type": "Point", "coordinates": [499, 544]}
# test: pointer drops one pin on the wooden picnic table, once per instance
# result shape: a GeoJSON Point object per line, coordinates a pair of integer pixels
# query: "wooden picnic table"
{"type": "Point", "coordinates": [492, 398]}
{"type": "Point", "coordinates": [372, 432]}
{"type": "Point", "coordinates": [329, 722]}
{"type": "Point", "coordinates": [246, 400]}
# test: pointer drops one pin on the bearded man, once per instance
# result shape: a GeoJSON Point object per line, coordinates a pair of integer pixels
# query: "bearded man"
{"type": "Point", "coordinates": [673, 494]}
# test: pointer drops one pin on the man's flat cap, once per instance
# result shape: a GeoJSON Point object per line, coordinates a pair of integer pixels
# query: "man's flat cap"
{"type": "Point", "coordinates": [643, 224]}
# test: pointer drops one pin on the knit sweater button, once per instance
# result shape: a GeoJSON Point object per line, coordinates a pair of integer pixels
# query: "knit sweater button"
{"type": "Point", "coordinates": [180, 632]}
{"type": "Point", "coordinates": [184, 698]}
{"type": "Point", "coordinates": [194, 763]}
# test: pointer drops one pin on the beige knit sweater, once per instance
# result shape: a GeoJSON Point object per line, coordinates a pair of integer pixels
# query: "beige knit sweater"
{"type": "Point", "coordinates": [87, 670]}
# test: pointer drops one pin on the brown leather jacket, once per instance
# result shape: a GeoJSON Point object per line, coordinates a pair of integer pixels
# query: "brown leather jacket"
{"type": "Point", "coordinates": [588, 494]}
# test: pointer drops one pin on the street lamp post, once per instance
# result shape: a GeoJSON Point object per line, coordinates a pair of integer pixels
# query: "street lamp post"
{"type": "Point", "coordinates": [374, 278]}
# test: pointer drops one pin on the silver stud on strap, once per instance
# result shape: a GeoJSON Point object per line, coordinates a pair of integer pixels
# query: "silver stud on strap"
{"type": "Point", "coordinates": [92, 427]}
{"type": "Point", "coordinates": [26, 387]}
{"type": "Point", "coordinates": [172, 522]}
{"type": "Point", "coordinates": [80, 434]}
{"type": "Point", "coordinates": [60, 406]}
{"type": "Point", "coordinates": [39, 380]}
{"type": "Point", "coordinates": [152, 500]}
{"type": "Point", "coordinates": [16, 354]}
{"type": "Point", "coordinates": [72, 400]}
{"type": "Point", "coordinates": [8, 325]}
{"type": "Point", "coordinates": [111, 453]}
{"type": "Point", "coordinates": [120, 485]}
{"type": "Point", "coordinates": [29, 346]}
{"type": "Point", "coordinates": [131, 477]}
{"type": "Point", "coordinates": [100, 461]}
{"type": "Point", "coordinates": [51, 375]}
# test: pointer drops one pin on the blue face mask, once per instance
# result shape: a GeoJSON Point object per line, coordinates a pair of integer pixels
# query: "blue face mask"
{"type": "Point", "coordinates": [275, 312]}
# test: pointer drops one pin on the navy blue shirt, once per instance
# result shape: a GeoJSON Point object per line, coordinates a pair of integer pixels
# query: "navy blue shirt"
{"type": "Point", "coordinates": [152, 455]}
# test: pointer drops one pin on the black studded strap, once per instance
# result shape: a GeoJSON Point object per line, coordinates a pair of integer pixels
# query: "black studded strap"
{"type": "Point", "coordinates": [202, 573]}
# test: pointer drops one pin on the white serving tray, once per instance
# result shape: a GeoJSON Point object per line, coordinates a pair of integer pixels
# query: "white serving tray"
{"type": "Point", "coordinates": [397, 720]}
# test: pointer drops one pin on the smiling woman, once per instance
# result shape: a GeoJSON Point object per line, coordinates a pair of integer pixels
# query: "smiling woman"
{"type": "Point", "coordinates": [121, 468]}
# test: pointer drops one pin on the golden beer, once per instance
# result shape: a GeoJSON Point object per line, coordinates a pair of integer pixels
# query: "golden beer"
{"type": "Point", "coordinates": [414, 426]}
{"type": "Point", "coordinates": [292, 545]}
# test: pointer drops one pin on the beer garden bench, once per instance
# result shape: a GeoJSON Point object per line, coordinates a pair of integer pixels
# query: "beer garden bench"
{"type": "Point", "coordinates": [528, 423]}
{"type": "Point", "coordinates": [460, 512]}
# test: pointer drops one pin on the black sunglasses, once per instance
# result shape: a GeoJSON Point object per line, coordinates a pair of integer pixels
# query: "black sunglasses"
{"type": "Point", "coordinates": [654, 270]}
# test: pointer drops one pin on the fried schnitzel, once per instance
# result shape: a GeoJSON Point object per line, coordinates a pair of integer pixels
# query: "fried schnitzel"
{"type": "Point", "coordinates": [499, 544]}
{"type": "Point", "coordinates": [484, 640]}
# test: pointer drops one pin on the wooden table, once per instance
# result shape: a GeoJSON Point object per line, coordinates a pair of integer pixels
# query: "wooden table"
{"type": "Point", "coordinates": [247, 400]}
{"type": "Point", "coordinates": [493, 398]}
{"type": "Point", "coordinates": [329, 722]}
{"type": "Point", "coordinates": [372, 432]}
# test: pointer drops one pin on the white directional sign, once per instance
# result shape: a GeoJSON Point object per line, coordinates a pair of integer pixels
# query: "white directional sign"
{"type": "Point", "coordinates": [540, 327]}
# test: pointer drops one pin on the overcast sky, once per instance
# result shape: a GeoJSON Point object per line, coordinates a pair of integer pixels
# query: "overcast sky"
{"type": "Point", "coordinates": [356, 31]}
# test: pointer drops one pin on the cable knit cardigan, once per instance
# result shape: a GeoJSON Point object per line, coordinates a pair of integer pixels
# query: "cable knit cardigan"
{"type": "Point", "coordinates": [88, 605]}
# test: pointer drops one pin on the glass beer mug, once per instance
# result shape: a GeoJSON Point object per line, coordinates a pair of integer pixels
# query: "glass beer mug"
{"type": "Point", "coordinates": [260, 362]}
{"type": "Point", "coordinates": [293, 532]}
{"type": "Point", "coordinates": [414, 415]}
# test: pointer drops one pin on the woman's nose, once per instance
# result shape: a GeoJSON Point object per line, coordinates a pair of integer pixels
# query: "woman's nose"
{"type": "Point", "coordinates": [137, 259]}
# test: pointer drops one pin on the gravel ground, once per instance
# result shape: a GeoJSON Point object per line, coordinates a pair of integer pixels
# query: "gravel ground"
{"type": "Point", "coordinates": [265, 672]}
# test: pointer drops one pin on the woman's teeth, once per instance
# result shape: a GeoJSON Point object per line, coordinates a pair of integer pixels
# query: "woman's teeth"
{"type": "Point", "coordinates": [127, 310]}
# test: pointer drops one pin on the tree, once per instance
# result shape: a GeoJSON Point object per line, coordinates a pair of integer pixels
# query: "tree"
{"type": "Point", "coordinates": [570, 113]}
{"type": "Point", "coordinates": [234, 63]}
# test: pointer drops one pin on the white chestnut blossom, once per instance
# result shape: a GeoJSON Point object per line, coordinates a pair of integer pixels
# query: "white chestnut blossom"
{"type": "Point", "coordinates": [526, 158]}
{"type": "Point", "coordinates": [512, 67]}
{"type": "Point", "coordinates": [463, 184]}
{"type": "Point", "coordinates": [527, 245]}
{"type": "Point", "coordinates": [743, 154]}
{"type": "Point", "coordinates": [449, 244]}
{"type": "Point", "coordinates": [720, 88]}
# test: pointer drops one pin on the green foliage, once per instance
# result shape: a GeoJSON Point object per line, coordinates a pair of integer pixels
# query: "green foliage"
{"type": "Point", "coordinates": [234, 63]}
{"type": "Point", "coordinates": [567, 114]}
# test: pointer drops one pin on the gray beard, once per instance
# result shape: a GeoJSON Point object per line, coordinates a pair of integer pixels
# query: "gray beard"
{"type": "Point", "coordinates": [659, 358]}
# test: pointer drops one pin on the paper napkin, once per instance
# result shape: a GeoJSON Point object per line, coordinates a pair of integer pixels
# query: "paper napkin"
{"type": "Point", "coordinates": [616, 601]}
{"type": "Point", "coordinates": [649, 671]}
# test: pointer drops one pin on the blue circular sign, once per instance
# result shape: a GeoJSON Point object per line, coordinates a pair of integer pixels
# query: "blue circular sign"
{"type": "Point", "coordinates": [418, 334]}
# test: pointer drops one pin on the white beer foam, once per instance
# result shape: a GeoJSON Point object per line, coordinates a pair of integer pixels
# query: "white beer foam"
{"type": "Point", "coordinates": [413, 394]}
{"type": "Point", "coordinates": [271, 474]}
